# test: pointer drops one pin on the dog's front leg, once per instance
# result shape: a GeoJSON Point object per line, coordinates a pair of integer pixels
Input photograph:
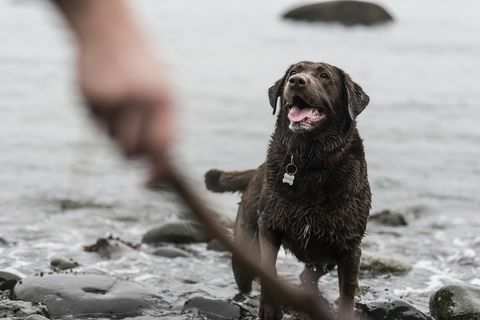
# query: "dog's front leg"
{"type": "Point", "coordinates": [348, 267]}
{"type": "Point", "coordinates": [269, 246]}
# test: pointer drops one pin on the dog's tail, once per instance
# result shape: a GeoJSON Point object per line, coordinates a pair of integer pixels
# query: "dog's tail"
{"type": "Point", "coordinates": [233, 181]}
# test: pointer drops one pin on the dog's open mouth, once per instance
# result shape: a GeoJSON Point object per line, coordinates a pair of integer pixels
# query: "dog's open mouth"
{"type": "Point", "coordinates": [303, 116]}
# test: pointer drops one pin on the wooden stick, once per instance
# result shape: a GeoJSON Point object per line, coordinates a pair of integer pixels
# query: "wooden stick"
{"type": "Point", "coordinates": [298, 299]}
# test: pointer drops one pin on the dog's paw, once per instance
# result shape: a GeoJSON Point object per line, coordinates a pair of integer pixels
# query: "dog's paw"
{"type": "Point", "coordinates": [270, 311]}
{"type": "Point", "coordinates": [212, 180]}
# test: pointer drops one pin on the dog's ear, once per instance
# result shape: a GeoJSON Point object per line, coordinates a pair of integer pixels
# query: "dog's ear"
{"type": "Point", "coordinates": [275, 91]}
{"type": "Point", "coordinates": [357, 99]}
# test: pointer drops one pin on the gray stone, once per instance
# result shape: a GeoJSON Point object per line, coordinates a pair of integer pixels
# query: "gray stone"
{"type": "Point", "coordinates": [35, 317]}
{"type": "Point", "coordinates": [3, 242]}
{"type": "Point", "coordinates": [71, 204]}
{"type": "Point", "coordinates": [374, 265]}
{"type": "Point", "coordinates": [63, 263]}
{"type": "Point", "coordinates": [86, 294]}
{"type": "Point", "coordinates": [10, 309]}
{"type": "Point", "coordinates": [179, 232]}
{"type": "Point", "coordinates": [456, 302]}
{"type": "Point", "coordinates": [170, 253]}
{"type": "Point", "coordinates": [389, 310]}
{"type": "Point", "coordinates": [213, 309]}
{"type": "Point", "coordinates": [389, 218]}
{"type": "Point", "coordinates": [346, 12]}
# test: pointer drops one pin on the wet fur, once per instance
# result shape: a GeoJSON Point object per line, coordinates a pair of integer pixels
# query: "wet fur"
{"type": "Point", "coordinates": [322, 218]}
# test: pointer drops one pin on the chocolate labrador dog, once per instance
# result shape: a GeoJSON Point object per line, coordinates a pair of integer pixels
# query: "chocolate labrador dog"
{"type": "Point", "coordinates": [312, 193]}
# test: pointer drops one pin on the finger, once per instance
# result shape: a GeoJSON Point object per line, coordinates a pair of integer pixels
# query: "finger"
{"type": "Point", "coordinates": [124, 122]}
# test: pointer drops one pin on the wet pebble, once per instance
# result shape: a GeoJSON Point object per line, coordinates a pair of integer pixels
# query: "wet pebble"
{"type": "Point", "coordinates": [36, 317]}
{"type": "Point", "coordinates": [86, 294]}
{"type": "Point", "coordinates": [456, 302]}
{"type": "Point", "coordinates": [373, 265]}
{"type": "Point", "coordinates": [10, 309]}
{"type": "Point", "coordinates": [213, 309]}
{"type": "Point", "coordinates": [179, 232]}
{"type": "Point", "coordinates": [348, 13]}
{"type": "Point", "coordinates": [168, 252]}
{"type": "Point", "coordinates": [389, 218]}
{"type": "Point", "coordinates": [110, 247]}
{"type": "Point", "coordinates": [389, 310]}
{"type": "Point", "coordinates": [59, 263]}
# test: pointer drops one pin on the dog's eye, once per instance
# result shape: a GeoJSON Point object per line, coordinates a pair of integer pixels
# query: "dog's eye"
{"type": "Point", "coordinates": [292, 72]}
{"type": "Point", "coordinates": [324, 75]}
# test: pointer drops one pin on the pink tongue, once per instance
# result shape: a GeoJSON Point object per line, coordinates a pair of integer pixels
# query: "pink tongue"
{"type": "Point", "coordinates": [296, 114]}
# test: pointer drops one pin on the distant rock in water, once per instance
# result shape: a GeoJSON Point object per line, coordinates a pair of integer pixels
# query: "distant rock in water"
{"type": "Point", "coordinates": [346, 12]}
{"type": "Point", "coordinates": [180, 232]}
{"type": "Point", "coordinates": [456, 302]}
{"type": "Point", "coordinates": [389, 310]}
{"type": "Point", "coordinates": [373, 265]}
{"type": "Point", "coordinates": [389, 218]}
{"type": "Point", "coordinates": [213, 309]}
{"type": "Point", "coordinates": [86, 294]}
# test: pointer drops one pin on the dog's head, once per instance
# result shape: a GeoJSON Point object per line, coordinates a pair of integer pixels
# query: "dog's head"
{"type": "Point", "coordinates": [315, 96]}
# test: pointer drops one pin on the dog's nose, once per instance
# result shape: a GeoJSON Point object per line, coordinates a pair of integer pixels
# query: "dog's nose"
{"type": "Point", "coordinates": [297, 80]}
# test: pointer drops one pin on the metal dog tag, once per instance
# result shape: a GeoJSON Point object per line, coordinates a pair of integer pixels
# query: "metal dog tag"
{"type": "Point", "coordinates": [290, 171]}
{"type": "Point", "coordinates": [288, 178]}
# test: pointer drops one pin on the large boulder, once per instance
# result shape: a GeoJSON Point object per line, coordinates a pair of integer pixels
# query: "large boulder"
{"type": "Point", "coordinates": [389, 310]}
{"type": "Point", "coordinates": [346, 12]}
{"type": "Point", "coordinates": [456, 302]}
{"type": "Point", "coordinates": [373, 265]}
{"type": "Point", "coordinates": [179, 232]}
{"type": "Point", "coordinates": [86, 294]}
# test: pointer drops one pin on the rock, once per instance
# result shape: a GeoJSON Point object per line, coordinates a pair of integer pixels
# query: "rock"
{"type": "Point", "coordinates": [346, 12]}
{"type": "Point", "coordinates": [8, 280]}
{"type": "Point", "coordinates": [213, 309]}
{"type": "Point", "coordinates": [177, 232]}
{"type": "Point", "coordinates": [86, 294]}
{"type": "Point", "coordinates": [456, 302]}
{"type": "Point", "coordinates": [110, 247]}
{"type": "Point", "coordinates": [35, 317]}
{"type": "Point", "coordinates": [3, 242]}
{"type": "Point", "coordinates": [389, 218]}
{"type": "Point", "coordinates": [63, 264]}
{"type": "Point", "coordinates": [10, 309]}
{"type": "Point", "coordinates": [71, 204]}
{"type": "Point", "coordinates": [170, 253]}
{"type": "Point", "coordinates": [389, 310]}
{"type": "Point", "coordinates": [372, 264]}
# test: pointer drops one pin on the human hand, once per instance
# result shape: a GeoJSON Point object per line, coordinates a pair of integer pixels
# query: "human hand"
{"type": "Point", "coordinates": [127, 89]}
